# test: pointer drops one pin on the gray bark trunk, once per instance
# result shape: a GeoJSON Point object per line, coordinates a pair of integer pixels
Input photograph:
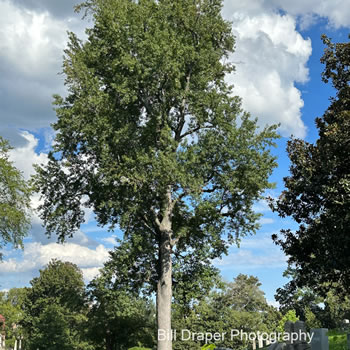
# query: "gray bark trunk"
{"type": "Point", "coordinates": [164, 294]}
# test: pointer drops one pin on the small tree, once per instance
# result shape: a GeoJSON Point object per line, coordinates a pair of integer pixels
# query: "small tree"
{"type": "Point", "coordinates": [14, 201]}
{"type": "Point", "coordinates": [317, 194]}
{"type": "Point", "coordinates": [152, 139]}
{"type": "Point", "coordinates": [55, 309]}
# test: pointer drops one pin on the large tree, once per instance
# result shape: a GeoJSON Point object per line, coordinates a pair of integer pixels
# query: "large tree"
{"type": "Point", "coordinates": [151, 138]}
{"type": "Point", "coordinates": [14, 201]}
{"type": "Point", "coordinates": [317, 194]}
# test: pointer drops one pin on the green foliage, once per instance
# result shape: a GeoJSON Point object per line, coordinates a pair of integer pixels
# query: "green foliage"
{"type": "Point", "coordinates": [118, 319]}
{"type": "Point", "coordinates": [244, 294]}
{"type": "Point", "coordinates": [328, 310]}
{"type": "Point", "coordinates": [290, 297]}
{"type": "Point", "coordinates": [337, 308]}
{"type": "Point", "coordinates": [289, 316]}
{"type": "Point", "coordinates": [236, 305]}
{"type": "Point", "coordinates": [149, 119]}
{"type": "Point", "coordinates": [311, 320]}
{"type": "Point", "coordinates": [208, 347]}
{"type": "Point", "coordinates": [11, 307]}
{"type": "Point", "coordinates": [55, 309]}
{"type": "Point", "coordinates": [337, 340]}
{"type": "Point", "coordinates": [151, 138]}
{"type": "Point", "coordinates": [14, 201]}
{"type": "Point", "coordinates": [317, 194]}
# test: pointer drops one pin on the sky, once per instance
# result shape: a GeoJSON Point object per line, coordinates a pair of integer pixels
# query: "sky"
{"type": "Point", "coordinates": [278, 76]}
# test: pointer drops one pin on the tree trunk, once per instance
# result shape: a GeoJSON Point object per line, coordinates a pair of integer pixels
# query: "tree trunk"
{"type": "Point", "coordinates": [164, 291]}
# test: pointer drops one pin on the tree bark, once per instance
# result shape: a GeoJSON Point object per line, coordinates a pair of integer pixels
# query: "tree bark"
{"type": "Point", "coordinates": [164, 294]}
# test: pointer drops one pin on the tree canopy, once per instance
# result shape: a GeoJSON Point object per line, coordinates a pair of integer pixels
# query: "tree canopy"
{"type": "Point", "coordinates": [55, 309]}
{"type": "Point", "coordinates": [317, 194]}
{"type": "Point", "coordinates": [14, 201]}
{"type": "Point", "coordinates": [151, 137]}
{"type": "Point", "coordinates": [119, 319]}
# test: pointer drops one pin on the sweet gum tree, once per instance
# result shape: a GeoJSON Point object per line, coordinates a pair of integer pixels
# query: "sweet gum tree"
{"type": "Point", "coordinates": [151, 138]}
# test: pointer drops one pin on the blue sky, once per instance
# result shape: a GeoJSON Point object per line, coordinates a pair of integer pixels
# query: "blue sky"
{"type": "Point", "coordinates": [278, 75]}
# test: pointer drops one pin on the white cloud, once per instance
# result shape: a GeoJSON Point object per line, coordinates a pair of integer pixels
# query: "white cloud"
{"type": "Point", "coordinates": [270, 56]}
{"type": "Point", "coordinates": [274, 303]}
{"type": "Point", "coordinates": [110, 240]}
{"type": "Point", "coordinates": [247, 259]}
{"type": "Point", "coordinates": [25, 156]}
{"type": "Point", "coordinates": [254, 252]}
{"type": "Point", "coordinates": [59, 8]}
{"type": "Point", "coordinates": [336, 11]}
{"type": "Point", "coordinates": [90, 273]}
{"type": "Point", "coordinates": [31, 43]}
{"type": "Point", "coordinates": [36, 255]}
{"type": "Point", "coordinates": [266, 221]}
{"type": "Point", "coordinates": [263, 243]}
{"type": "Point", "coordinates": [31, 51]}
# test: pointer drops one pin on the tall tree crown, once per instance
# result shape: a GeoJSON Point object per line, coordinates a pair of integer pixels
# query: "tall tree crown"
{"type": "Point", "coordinates": [150, 131]}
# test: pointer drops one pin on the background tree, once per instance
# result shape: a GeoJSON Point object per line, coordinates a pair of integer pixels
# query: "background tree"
{"type": "Point", "coordinates": [11, 307]}
{"type": "Point", "coordinates": [152, 139]}
{"type": "Point", "coordinates": [291, 297]}
{"type": "Point", "coordinates": [55, 309]}
{"type": "Point", "coordinates": [236, 305]}
{"type": "Point", "coordinates": [14, 201]}
{"type": "Point", "coordinates": [119, 320]}
{"type": "Point", "coordinates": [317, 194]}
{"type": "Point", "coordinates": [318, 310]}
{"type": "Point", "coordinates": [244, 293]}
{"type": "Point", "coordinates": [311, 320]}
{"type": "Point", "coordinates": [336, 309]}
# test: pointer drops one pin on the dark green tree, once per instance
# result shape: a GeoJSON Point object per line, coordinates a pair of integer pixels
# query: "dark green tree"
{"type": "Point", "coordinates": [317, 194]}
{"type": "Point", "coordinates": [14, 201]}
{"type": "Point", "coordinates": [56, 309]}
{"type": "Point", "coordinates": [152, 139]}
{"type": "Point", "coordinates": [119, 320]}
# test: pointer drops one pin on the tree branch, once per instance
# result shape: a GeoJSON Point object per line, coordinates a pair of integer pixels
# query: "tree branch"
{"type": "Point", "coordinates": [192, 131]}
{"type": "Point", "coordinates": [183, 106]}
